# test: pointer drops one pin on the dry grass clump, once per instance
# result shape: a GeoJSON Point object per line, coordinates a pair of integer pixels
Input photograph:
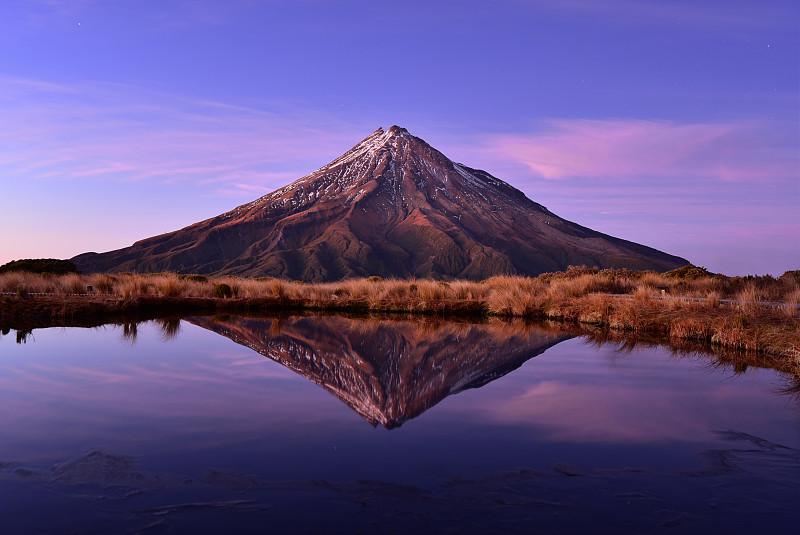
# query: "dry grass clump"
{"type": "Point", "coordinates": [467, 290]}
{"type": "Point", "coordinates": [626, 315]}
{"type": "Point", "coordinates": [396, 289]}
{"type": "Point", "coordinates": [133, 287]}
{"type": "Point", "coordinates": [643, 295]}
{"type": "Point", "coordinates": [9, 282]}
{"type": "Point", "coordinates": [245, 288]}
{"type": "Point", "coordinates": [712, 299]}
{"type": "Point", "coordinates": [383, 294]}
{"type": "Point", "coordinates": [71, 284]}
{"type": "Point", "coordinates": [568, 288]}
{"type": "Point", "coordinates": [277, 287]}
{"type": "Point", "coordinates": [595, 309]}
{"type": "Point", "coordinates": [509, 302]}
{"type": "Point", "coordinates": [691, 328]}
{"type": "Point", "coordinates": [429, 290]}
{"type": "Point", "coordinates": [749, 299]}
{"type": "Point", "coordinates": [707, 285]}
{"type": "Point", "coordinates": [733, 333]}
{"type": "Point", "coordinates": [654, 281]}
{"type": "Point", "coordinates": [16, 281]}
{"type": "Point", "coordinates": [169, 286]}
{"type": "Point", "coordinates": [102, 283]}
{"type": "Point", "coordinates": [791, 305]}
{"type": "Point", "coordinates": [512, 296]}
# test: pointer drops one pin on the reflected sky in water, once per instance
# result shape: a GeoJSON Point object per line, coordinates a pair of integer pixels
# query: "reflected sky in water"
{"type": "Point", "coordinates": [202, 401]}
{"type": "Point", "coordinates": [70, 385]}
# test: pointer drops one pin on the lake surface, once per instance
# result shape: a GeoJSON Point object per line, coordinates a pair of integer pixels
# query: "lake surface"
{"type": "Point", "coordinates": [338, 425]}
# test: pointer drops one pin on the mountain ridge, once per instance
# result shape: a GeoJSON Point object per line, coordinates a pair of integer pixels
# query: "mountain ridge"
{"type": "Point", "coordinates": [391, 206]}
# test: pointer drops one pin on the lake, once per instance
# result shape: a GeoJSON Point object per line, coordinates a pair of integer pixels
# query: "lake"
{"type": "Point", "coordinates": [329, 424]}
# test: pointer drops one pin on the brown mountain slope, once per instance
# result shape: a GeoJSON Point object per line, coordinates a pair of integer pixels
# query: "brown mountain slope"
{"type": "Point", "coordinates": [390, 206]}
{"type": "Point", "coordinates": [388, 371]}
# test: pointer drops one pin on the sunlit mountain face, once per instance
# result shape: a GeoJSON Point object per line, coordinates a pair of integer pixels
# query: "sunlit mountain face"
{"type": "Point", "coordinates": [390, 206]}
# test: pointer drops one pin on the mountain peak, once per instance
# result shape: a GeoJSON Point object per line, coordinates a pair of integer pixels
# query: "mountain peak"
{"type": "Point", "coordinates": [391, 206]}
{"type": "Point", "coordinates": [398, 131]}
{"type": "Point", "coordinates": [381, 137]}
{"type": "Point", "coordinates": [371, 145]}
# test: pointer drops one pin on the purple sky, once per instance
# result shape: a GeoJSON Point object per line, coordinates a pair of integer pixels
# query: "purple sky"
{"type": "Point", "coordinates": [672, 124]}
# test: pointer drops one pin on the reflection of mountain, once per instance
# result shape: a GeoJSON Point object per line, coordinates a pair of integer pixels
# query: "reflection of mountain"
{"type": "Point", "coordinates": [388, 371]}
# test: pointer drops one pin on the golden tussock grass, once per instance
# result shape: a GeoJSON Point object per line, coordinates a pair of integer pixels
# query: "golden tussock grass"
{"type": "Point", "coordinates": [683, 309]}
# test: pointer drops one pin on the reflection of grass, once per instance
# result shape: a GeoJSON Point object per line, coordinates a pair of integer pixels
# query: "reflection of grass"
{"type": "Point", "coordinates": [733, 360]}
{"type": "Point", "coordinates": [170, 327]}
{"type": "Point", "coordinates": [130, 332]}
{"type": "Point", "coordinates": [687, 304]}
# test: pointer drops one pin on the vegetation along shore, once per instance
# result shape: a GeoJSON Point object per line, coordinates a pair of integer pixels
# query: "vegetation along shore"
{"type": "Point", "coordinates": [755, 314]}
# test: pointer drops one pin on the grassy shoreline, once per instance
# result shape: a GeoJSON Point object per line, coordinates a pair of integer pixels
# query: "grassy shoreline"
{"type": "Point", "coordinates": [685, 306]}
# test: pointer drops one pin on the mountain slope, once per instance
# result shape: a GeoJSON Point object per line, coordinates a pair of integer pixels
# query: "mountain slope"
{"type": "Point", "coordinates": [391, 206]}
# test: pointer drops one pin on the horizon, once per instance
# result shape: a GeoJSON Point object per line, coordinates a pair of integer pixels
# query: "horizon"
{"type": "Point", "coordinates": [670, 126]}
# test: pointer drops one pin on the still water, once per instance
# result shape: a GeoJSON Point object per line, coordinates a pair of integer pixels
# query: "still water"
{"type": "Point", "coordinates": [340, 425]}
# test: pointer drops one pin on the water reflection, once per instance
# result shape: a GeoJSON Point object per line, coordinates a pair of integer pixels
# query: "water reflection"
{"type": "Point", "coordinates": [388, 371]}
{"type": "Point", "coordinates": [725, 360]}
{"type": "Point", "coordinates": [112, 430]}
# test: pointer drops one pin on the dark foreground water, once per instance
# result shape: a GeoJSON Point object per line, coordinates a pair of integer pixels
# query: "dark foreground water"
{"type": "Point", "coordinates": [335, 425]}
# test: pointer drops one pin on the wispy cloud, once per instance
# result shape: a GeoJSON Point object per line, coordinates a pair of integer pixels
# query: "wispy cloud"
{"type": "Point", "coordinates": [640, 148]}
{"type": "Point", "coordinates": [123, 133]}
{"type": "Point", "coordinates": [127, 150]}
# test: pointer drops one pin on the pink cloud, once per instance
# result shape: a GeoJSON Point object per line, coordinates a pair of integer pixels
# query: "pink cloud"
{"type": "Point", "coordinates": [637, 148]}
{"type": "Point", "coordinates": [604, 414]}
{"type": "Point", "coordinates": [609, 396]}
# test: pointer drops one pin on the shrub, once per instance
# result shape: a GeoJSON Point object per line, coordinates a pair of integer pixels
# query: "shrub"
{"type": "Point", "coordinates": [222, 290]}
{"type": "Point", "coordinates": [40, 265]}
{"type": "Point", "coordinates": [793, 274]}
{"type": "Point", "coordinates": [689, 272]}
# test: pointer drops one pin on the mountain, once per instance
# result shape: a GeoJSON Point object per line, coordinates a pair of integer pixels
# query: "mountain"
{"type": "Point", "coordinates": [391, 206]}
{"type": "Point", "coordinates": [388, 371]}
